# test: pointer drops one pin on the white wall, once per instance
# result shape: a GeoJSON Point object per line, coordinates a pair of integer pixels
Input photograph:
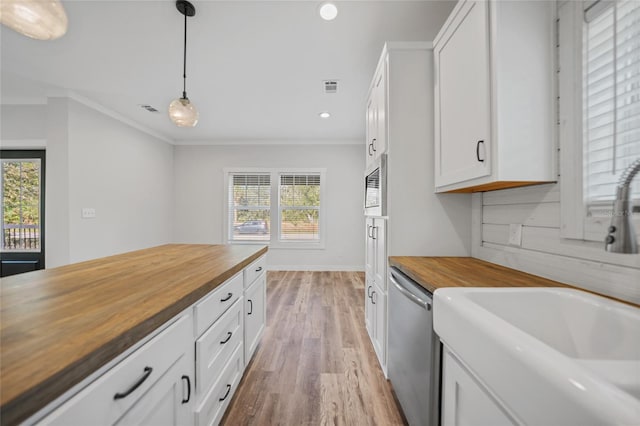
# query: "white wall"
{"type": "Point", "coordinates": [22, 126]}
{"type": "Point", "coordinates": [200, 193]}
{"type": "Point", "coordinates": [543, 252]}
{"type": "Point", "coordinates": [94, 160]}
{"type": "Point", "coordinates": [127, 176]}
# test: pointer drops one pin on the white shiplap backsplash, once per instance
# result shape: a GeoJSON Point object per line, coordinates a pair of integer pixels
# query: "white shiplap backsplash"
{"type": "Point", "coordinates": [543, 252]}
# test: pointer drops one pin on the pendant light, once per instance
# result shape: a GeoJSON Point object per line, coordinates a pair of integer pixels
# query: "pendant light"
{"type": "Point", "coordinates": [181, 111]}
{"type": "Point", "coordinates": [42, 20]}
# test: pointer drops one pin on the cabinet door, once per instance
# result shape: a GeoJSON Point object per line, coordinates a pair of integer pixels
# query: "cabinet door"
{"type": "Point", "coordinates": [255, 316]}
{"type": "Point", "coordinates": [462, 97]}
{"type": "Point", "coordinates": [379, 300]}
{"type": "Point", "coordinates": [380, 90]}
{"type": "Point", "coordinates": [370, 129]}
{"type": "Point", "coordinates": [380, 262]}
{"type": "Point", "coordinates": [370, 248]}
{"type": "Point", "coordinates": [465, 401]}
{"type": "Point", "coordinates": [369, 308]}
{"type": "Point", "coordinates": [167, 403]}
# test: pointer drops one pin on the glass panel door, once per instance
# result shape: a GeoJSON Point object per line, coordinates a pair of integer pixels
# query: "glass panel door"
{"type": "Point", "coordinates": [22, 186]}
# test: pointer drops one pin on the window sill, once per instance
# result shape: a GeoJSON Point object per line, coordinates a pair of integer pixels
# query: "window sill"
{"type": "Point", "coordinates": [281, 245]}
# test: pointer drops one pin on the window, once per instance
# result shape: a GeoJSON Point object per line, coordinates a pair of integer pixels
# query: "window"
{"type": "Point", "coordinates": [297, 219]}
{"type": "Point", "coordinates": [599, 87]}
{"type": "Point", "coordinates": [299, 206]}
{"type": "Point", "coordinates": [249, 206]}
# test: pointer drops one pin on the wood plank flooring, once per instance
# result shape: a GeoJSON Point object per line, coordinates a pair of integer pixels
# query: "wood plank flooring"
{"type": "Point", "coordinates": [315, 364]}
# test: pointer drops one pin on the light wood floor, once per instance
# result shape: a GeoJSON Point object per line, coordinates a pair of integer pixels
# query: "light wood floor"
{"type": "Point", "coordinates": [316, 364]}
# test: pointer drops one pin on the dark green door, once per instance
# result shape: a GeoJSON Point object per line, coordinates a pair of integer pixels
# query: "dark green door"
{"type": "Point", "coordinates": [23, 187]}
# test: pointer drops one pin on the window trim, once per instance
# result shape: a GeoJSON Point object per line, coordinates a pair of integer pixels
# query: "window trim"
{"type": "Point", "coordinates": [575, 222]}
{"type": "Point", "coordinates": [275, 209]}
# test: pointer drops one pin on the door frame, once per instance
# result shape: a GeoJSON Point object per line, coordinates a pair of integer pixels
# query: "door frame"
{"type": "Point", "coordinates": [26, 154]}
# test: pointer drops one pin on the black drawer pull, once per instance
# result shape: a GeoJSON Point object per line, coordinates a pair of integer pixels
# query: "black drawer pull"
{"type": "Point", "coordinates": [368, 292]}
{"type": "Point", "coordinates": [372, 299]}
{"type": "Point", "coordinates": [226, 394]}
{"type": "Point", "coordinates": [373, 145]}
{"type": "Point", "coordinates": [259, 269]}
{"type": "Point", "coordinates": [251, 309]}
{"type": "Point", "coordinates": [184, 401]}
{"type": "Point", "coordinates": [229, 334]}
{"type": "Point", "coordinates": [145, 376]}
{"type": "Point", "coordinates": [229, 296]}
{"type": "Point", "coordinates": [478, 151]}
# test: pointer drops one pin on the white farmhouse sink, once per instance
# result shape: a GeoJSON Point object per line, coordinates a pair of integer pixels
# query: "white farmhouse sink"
{"type": "Point", "coordinates": [552, 356]}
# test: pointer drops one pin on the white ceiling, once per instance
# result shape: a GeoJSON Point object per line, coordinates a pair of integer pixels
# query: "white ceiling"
{"type": "Point", "coordinates": [254, 68]}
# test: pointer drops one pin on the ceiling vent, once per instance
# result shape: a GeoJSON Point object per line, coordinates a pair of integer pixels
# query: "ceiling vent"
{"type": "Point", "coordinates": [148, 108]}
{"type": "Point", "coordinates": [330, 86]}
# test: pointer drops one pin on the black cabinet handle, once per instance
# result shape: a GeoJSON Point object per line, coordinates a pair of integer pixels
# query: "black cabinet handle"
{"type": "Point", "coordinates": [229, 334]}
{"type": "Point", "coordinates": [250, 303]}
{"type": "Point", "coordinates": [226, 394]}
{"type": "Point", "coordinates": [478, 151]}
{"type": "Point", "coordinates": [374, 232]}
{"type": "Point", "coordinates": [184, 401]}
{"type": "Point", "coordinates": [145, 376]}
{"type": "Point", "coordinates": [373, 144]}
{"type": "Point", "coordinates": [229, 296]}
{"type": "Point", "coordinates": [259, 269]}
{"type": "Point", "coordinates": [370, 146]}
{"type": "Point", "coordinates": [372, 299]}
{"type": "Point", "coordinates": [368, 292]}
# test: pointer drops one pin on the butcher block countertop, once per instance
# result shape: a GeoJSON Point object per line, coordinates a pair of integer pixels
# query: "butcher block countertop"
{"type": "Point", "coordinates": [60, 325]}
{"type": "Point", "coordinates": [433, 273]}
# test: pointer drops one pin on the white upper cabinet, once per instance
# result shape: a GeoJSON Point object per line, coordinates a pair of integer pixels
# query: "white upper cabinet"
{"type": "Point", "coordinates": [376, 114]}
{"type": "Point", "coordinates": [494, 96]}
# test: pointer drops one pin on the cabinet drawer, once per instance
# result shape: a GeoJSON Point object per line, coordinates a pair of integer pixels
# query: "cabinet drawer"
{"type": "Point", "coordinates": [252, 271]}
{"type": "Point", "coordinates": [212, 306]}
{"type": "Point", "coordinates": [217, 399]}
{"type": "Point", "coordinates": [216, 345]}
{"type": "Point", "coordinates": [97, 403]}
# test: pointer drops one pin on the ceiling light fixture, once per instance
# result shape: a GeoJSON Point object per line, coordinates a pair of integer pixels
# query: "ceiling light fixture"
{"type": "Point", "coordinates": [324, 114]}
{"type": "Point", "coordinates": [328, 11]}
{"type": "Point", "coordinates": [42, 20]}
{"type": "Point", "coordinates": [181, 111]}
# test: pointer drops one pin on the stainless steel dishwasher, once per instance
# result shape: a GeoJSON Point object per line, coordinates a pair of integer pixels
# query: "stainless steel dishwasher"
{"type": "Point", "coordinates": [414, 350]}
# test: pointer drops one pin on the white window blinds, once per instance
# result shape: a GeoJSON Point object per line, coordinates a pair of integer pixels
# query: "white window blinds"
{"type": "Point", "coordinates": [299, 206]}
{"type": "Point", "coordinates": [249, 206]}
{"type": "Point", "coordinates": [611, 100]}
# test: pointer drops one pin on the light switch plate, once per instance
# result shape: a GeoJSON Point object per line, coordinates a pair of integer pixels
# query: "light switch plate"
{"type": "Point", "coordinates": [515, 234]}
{"type": "Point", "coordinates": [88, 212]}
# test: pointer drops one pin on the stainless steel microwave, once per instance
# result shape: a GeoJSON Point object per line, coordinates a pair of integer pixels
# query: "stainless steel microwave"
{"type": "Point", "coordinates": [375, 188]}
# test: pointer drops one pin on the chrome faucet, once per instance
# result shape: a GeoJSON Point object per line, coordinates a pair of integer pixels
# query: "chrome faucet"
{"type": "Point", "coordinates": [622, 236]}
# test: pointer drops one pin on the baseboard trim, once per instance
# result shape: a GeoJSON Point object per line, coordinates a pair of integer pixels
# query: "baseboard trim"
{"type": "Point", "coordinates": [317, 268]}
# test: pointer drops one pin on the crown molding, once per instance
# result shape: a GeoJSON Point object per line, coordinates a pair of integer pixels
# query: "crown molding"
{"type": "Point", "coordinates": [267, 142]}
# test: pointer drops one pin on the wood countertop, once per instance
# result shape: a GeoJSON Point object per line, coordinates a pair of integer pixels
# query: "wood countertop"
{"type": "Point", "coordinates": [59, 325]}
{"type": "Point", "coordinates": [433, 273]}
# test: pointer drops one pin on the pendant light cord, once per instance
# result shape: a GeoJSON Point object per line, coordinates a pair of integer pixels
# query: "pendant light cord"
{"type": "Point", "coordinates": [184, 58]}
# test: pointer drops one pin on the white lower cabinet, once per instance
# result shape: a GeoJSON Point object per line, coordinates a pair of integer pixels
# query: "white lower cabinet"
{"type": "Point", "coordinates": [465, 400]}
{"type": "Point", "coordinates": [376, 319]}
{"type": "Point", "coordinates": [159, 383]}
{"type": "Point", "coordinates": [255, 315]}
{"type": "Point", "coordinates": [217, 399]}
{"type": "Point", "coordinates": [157, 376]}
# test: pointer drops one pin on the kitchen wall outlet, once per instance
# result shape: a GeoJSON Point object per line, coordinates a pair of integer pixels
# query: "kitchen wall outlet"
{"type": "Point", "coordinates": [88, 213]}
{"type": "Point", "coordinates": [515, 234]}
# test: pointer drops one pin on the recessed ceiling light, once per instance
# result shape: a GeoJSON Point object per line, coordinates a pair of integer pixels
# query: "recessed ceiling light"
{"type": "Point", "coordinates": [324, 115]}
{"type": "Point", "coordinates": [328, 11]}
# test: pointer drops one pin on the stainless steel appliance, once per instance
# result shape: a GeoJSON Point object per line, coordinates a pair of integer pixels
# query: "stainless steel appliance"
{"type": "Point", "coordinates": [375, 188]}
{"type": "Point", "coordinates": [414, 350]}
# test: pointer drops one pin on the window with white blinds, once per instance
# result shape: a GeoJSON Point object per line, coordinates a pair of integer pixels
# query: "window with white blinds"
{"type": "Point", "coordinates": [299, 206]}
{"type": "Point", "coordinates": [249, 206]}
{"type": "Point", "coordinates": [279, 206]}
{"type": "Point", "coordinates": [611, 98]}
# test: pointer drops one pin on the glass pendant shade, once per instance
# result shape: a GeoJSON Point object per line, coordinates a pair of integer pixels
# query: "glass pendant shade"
{"type": "Point", "coordinates": [42, 20]}
{"type": "Point", "coordinates": [183, 113]}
